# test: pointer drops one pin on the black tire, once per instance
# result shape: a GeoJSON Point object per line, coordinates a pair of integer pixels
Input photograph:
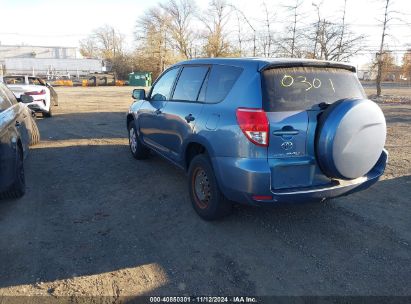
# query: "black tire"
{"type": "Point", "coordinates": [55, 101]}
{"type": "Point", "coordinates": [49, 113]}
{"type": "Point", "coordinates": [35, 133]}
{"type": "Point", "coordinates": [137, 148]}
{"type": "Point", "coordinates": [18, 188]}
{"type": "Point", "coordinates": [209, 202]}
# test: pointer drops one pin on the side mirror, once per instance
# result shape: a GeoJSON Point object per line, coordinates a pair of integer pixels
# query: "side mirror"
{"type": "Point", "coordinates": [26, 98]}
{"type": "Point", "coordinates": [139, 94]}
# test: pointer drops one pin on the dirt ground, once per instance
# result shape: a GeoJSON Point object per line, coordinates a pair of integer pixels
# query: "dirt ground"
{"type": "Point", "coordinates": [394, 91]}
{"type": "Point", "coordinates": [95, 221]}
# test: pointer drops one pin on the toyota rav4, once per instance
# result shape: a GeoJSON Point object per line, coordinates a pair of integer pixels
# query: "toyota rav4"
{"type": "Point", "coordinates": [261, 131]}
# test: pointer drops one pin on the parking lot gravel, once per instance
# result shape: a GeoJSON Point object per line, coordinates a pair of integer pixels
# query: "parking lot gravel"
{"type": "Point", "coordinates": [95, 221]}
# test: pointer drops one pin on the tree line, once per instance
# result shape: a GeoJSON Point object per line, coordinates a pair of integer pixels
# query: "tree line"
{"type": "Point", "coordinates": [172, 31]}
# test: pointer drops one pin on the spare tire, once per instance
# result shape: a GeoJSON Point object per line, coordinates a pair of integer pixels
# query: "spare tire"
{"type": "Point", "coordinates": [350, 138]}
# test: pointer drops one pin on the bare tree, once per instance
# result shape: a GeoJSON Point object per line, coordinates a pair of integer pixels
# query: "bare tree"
{"type": "Point", "coordinates": [165, 33]}
{"type": "Point", "coordinates": [342, 31]}
{"type": "Point", "coordinates": [88, 48]}
{"type": "Point", "coordinates": [406, 64]}
{"type": "Point", "coordinates": [388, 66]}
{"type": "Point", "coordinates": [179, 18]}
{"type": "Point", "coordinates": [250, 25]}
{"type": "Point", "coordinates": [330, 45]}
{"type": "Point", "coordinates": [333, 40]}
{"type": "Point", "coordinates": [290, 44]}
{"type": "Point", "coordinates": [152, 36]}
{"type": "Point", "coordinates": [104, 42]}
{"type": "Point", "coordinates": [215, 20]}
{"type": "Point", "coordinates": [110, 41]}
{"type": "Point", "coordinates": [317, 26]}
{"type": "Point", "coordinates": [107, 43]}
{"type": "Point", "coordinates": [267, 40]}
{"type": "Point", "coordinates": [239, 35]}
{"type": "Point", "coordinates": [380, 62]}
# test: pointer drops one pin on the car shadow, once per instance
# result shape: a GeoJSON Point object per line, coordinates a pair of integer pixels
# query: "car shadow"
{"type": "Point", "coordinates": [95, 210]}
{"type": "Point", "coordinates": [87, 125]}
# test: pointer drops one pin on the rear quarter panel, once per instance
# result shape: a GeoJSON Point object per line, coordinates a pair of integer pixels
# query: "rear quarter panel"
{"type": "Point", "coordinates": [218, 122]}
{"type": "Point", "coordinates": [8, 141]}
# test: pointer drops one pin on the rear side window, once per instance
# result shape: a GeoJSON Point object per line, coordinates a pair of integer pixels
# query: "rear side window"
{"type": "Point", "coordinates": [300, 88]}
{"type": "Point", "coordinates": [189, 83]}
{"type": "Point", "coordinates": [35, 81]}
{"type": "Point", "coordinates": [220, 82]}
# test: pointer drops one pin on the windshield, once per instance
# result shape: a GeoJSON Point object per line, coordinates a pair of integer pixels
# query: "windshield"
{"type": "Point", "coordinates": [14, 80]}
{"type": "Point", "coordinates": [299, 88]}
{"type": "Point", "coordinates": [36, 81]}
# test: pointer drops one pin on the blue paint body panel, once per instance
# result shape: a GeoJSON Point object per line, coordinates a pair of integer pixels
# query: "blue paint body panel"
{"type": "Point", "coordinates": [287, 170]}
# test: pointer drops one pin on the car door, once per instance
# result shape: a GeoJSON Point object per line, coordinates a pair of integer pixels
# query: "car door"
{"type": "Point", "coordinates": [150, 114]}
{"type": "Point", "coordinates": [22, 118]}
{"type": "Point", "coordinates": [183, 109]}
{"type": "Point", "coordinates": [8, 140]}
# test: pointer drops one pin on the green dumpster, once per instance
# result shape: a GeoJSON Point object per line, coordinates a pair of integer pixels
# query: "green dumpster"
{"type": "Point", "coordinates": [139, 79]}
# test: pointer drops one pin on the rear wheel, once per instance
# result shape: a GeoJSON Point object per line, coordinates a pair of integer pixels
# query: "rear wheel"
{"type": "Point", "coordinates": [137, 148]}
{"type": "Point", "coordinates": [18, 188]}
{"type": "Point", "coordinates": [48, 114]}
{"type": "Point", "coordinates": [207, 199]}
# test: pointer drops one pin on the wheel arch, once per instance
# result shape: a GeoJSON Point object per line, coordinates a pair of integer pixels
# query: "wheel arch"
{"type": "Point", "coordinates": [193, 147]}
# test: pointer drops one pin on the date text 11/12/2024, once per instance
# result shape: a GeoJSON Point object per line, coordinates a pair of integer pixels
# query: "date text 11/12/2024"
{"type": "Point", "coordinates": [203, 299]}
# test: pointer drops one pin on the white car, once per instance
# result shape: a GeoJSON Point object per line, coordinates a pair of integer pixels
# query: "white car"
{"type": "Point", "coordinates": [44, 96]}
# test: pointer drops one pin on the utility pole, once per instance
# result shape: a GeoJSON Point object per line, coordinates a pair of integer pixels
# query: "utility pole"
{"type": "Point", "coordinates": [342, 32]}
{"type": "Point", "coordinates": [318, 29]}
{"type": "Point", "coordinates": [380, 54]}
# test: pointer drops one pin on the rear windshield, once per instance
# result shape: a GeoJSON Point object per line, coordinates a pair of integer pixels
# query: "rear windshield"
{"type": "Point", "coordinates": [294, 89]}
{"type": "Point", "coordinates": [14, 80]}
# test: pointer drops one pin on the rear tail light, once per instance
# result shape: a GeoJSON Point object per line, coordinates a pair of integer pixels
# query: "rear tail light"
{"type": "Point", "coordinates": [254, 124]}
{"type": "Point", "coordinates": [42, 92]}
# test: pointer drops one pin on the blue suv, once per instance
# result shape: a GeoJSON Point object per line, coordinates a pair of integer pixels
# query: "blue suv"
{"type": "Point", "coordinates": [261, 131]}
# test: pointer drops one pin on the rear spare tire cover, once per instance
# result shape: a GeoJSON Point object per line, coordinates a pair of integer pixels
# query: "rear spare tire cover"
{"type": "Point", "coordinates": [350, 138]}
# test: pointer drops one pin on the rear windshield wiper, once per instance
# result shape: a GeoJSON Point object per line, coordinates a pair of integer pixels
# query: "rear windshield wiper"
{"type": "Point", "coordinates": [324, 105]}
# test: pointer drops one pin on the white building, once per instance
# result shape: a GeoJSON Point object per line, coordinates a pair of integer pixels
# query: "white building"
{"type": "Point", "coordinates": [30, 51]}
{"type": "Point", "coordinates": [47, 61]}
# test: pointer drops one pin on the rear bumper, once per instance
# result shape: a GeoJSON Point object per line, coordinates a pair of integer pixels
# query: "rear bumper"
{"type": "Point", "coordinates": [241, 179]}
{"type": "Point", "coordinates": [38, 106]}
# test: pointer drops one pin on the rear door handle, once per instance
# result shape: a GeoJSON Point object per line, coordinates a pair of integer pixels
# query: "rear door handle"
{"type": "Point", "coordinates": [286, 131]}
{"type": "Point", "coordinates": [189, 118]}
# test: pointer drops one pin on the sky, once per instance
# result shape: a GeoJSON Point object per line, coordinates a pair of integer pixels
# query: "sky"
{"type": "Point", "coordinates": [64, 23]}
